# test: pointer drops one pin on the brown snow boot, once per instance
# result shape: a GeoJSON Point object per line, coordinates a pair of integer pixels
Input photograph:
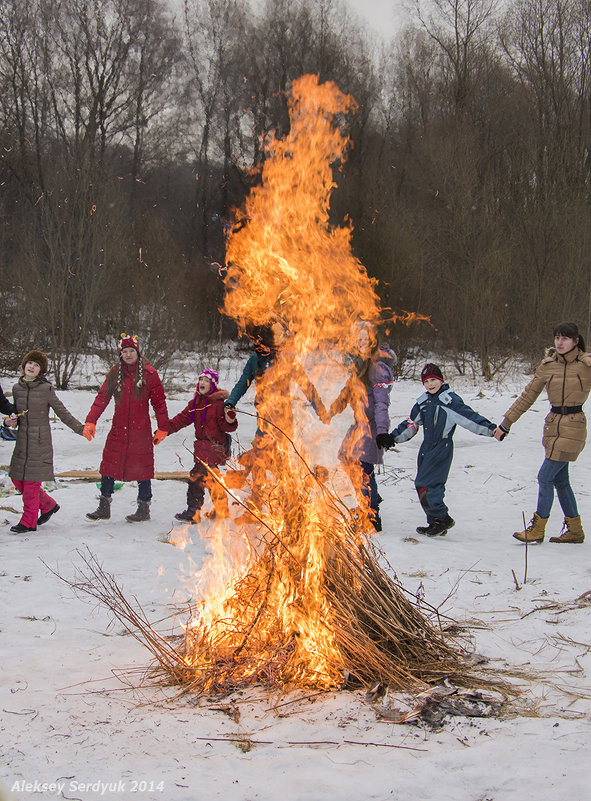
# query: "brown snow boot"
{"type": "Point", "coordinates": [572, 531]}
{"type": "Point", "coordinates": [141, 513]}
{"type": "Point", "coordinates": [103, 511]}
{"type": "Point", "coordinates": [534, 532]}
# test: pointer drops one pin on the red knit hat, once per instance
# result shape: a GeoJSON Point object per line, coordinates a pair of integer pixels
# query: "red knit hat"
{"type": "Point", "coordinates": [129, 341]}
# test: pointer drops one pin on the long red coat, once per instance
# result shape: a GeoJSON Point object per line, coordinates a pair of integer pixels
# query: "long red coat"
{"type": "Point", "coordinates": [210, 428]}
{"type": "Point", "coordinates": [129, 453]}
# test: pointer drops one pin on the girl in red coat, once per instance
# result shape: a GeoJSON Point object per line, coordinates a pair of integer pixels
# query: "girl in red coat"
{"type": "Point", "coordinates": [128, 454]}
{"type": "Point", "coordinates": [212, 425]}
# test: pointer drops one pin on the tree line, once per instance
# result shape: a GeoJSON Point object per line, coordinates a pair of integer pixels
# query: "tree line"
{"type": "Point", "coordinates": [130, 131]}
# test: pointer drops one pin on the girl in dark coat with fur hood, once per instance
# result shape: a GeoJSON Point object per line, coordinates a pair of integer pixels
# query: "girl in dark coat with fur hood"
{"type": "Point", "coordinates": [32, 458]}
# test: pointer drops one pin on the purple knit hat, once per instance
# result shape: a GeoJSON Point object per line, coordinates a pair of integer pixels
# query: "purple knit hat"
{"type": "Point", "coordinates": [213, 377]}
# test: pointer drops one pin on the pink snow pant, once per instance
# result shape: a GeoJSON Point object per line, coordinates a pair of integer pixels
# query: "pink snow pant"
{"type": "Point", "coordinates": [34, 500]}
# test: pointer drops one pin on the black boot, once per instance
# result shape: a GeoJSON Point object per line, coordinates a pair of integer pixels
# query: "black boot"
{"type": "Point", "coordinates": [141, 514]}
{"type": "Point", "coordinates": [437, 528]}
{"type": "Point", "coordinates": [376, 522]}
{"type": "Point", "coordinates": [190, 515]}
{"type": "Point", "coordinates": [43, 518]}
{"type": "Point", "coordinates": [103, 511]}
{"type": "Point", "coordinates": [20, 529]}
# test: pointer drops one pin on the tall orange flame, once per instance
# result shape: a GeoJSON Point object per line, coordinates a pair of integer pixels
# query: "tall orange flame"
{"type": "Point", "coordinates": [287, 262]}
{"type": "Point", "coordinates": [285, 258]}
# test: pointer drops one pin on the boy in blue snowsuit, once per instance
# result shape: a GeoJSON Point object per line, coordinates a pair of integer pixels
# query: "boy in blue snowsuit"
{"type": "Point", "coordinates": [438, 410]}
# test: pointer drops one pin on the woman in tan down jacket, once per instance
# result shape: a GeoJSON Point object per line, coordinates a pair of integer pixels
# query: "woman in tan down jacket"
{"type": "Point", "coordinates": [565, 373]}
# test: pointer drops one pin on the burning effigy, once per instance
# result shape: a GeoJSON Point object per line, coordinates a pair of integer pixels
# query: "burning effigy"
{"type": "Point", "coordinates": [310, 603]}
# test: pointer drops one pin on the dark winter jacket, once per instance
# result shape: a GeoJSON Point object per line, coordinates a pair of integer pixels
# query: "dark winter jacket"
{"type": "Point", "coordinates": [253, 369]}
{"type": "Point", "coordinates": [6, 407]}
{"type": "Point", "coordinates": [369, 398]}
{"type": "Point", "coordinates": [439, 414]}
{"type": "Point", "coordinates": [206, 412]}
{"type": "Point", "coordinates": [567, 380]}
{"type": "Point", "coordinates": [273, 375]}
{"type": "Point", "coordinates": [32, 458]}
{"type": "Point", "coordinates": [128, 454]}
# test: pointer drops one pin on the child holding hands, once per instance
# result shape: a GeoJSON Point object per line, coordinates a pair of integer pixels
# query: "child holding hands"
{"type": "Point", "coordinates": [32, 459]}
{"type": "Point", "coordinates": [438, 410]}
{"type": "Point", "coordinates": [212, 424]}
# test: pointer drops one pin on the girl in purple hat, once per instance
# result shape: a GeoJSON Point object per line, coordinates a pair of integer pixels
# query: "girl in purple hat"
{"type": "Point", "coordinates": [212, 424]}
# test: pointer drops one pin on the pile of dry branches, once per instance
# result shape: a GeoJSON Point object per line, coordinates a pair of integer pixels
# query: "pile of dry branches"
{"type": "Point", "coordinates": [375, 630]}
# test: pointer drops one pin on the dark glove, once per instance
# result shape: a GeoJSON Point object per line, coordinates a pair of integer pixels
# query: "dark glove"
{"type": "Point", "coordinates": [385, 441]}
{"type": "Point", "coordinates": [228, 405]}
{"type": "Point", "coordinates": [504, 430]}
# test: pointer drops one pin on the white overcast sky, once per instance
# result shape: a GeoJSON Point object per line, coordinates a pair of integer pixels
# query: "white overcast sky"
{"type": "Point", "coordinates": [383, 16]}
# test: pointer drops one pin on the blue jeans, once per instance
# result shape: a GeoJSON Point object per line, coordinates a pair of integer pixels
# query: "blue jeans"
{"type": "Point", "coordinates": [144, 488]}
{"type": "Point", "coordinates": [555, 475]}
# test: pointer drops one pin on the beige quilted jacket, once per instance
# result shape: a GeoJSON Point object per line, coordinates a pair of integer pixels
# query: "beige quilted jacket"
{"type": "Point", "coordinates": [567, 380]}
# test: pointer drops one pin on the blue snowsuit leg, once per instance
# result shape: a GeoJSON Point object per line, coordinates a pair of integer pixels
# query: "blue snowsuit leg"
{"type": "Point", "coordinates": [433, 466]}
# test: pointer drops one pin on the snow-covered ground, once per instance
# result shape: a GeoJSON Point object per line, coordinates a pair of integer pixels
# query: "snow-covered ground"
{"type": "Point", "coordinates": [71, 729]}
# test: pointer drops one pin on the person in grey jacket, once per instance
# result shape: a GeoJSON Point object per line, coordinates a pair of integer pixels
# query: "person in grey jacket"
{"type": "Point", "coordinates": [32, 459]}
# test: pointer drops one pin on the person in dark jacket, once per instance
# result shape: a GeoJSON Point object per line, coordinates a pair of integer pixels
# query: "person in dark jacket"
{"type": "Point", "coordinates": [565, 374]}
{"type": "Point", "coordinates": [212, 422]}
{"type": "Point", "coordinates": [271, 367]}
{"type": "Point", "coordinates": [265, 352]}
{"type": "Point", "coordinates": [367, 391]}
{"type": "Point", "coordinates": [269, 342]}
{"type": "Point", "coordinates": [128, 454]}
{"type": "Point", "coordinates": [6, 407]}
{"type": "Point", "coordinates": [438, 410]}
{"type": "Point", "coordinates": [32, 458]}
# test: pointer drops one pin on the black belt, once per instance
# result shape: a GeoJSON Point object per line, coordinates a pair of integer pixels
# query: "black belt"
{"type": "Point", "coordinates": [566, 409]}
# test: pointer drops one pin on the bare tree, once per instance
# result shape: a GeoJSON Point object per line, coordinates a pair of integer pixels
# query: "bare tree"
{"type": "Point", "coordinates": [459, 28]}
{"type": "Point", "coordinates": [548, 47]}
{"type": "Point", "coordinates": [216, 32]}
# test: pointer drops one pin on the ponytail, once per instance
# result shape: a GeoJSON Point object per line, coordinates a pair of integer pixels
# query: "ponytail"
{"type": "Point", "coordinates": [570, 330]}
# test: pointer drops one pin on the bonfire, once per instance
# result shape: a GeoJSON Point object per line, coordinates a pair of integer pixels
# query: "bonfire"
{"type": "Point", "coordinates": [310, 603]}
